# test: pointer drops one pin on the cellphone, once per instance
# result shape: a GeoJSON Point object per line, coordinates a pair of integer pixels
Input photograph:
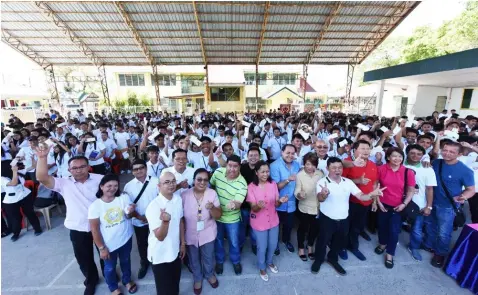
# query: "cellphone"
{"type": "Point", "coordinates": [90, 140]}
{"type": "Point", "coordinates": [93, 155]}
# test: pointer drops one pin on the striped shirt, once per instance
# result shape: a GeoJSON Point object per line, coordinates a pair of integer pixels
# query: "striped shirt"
{"type": "Point", "coordinates": [228, 190]}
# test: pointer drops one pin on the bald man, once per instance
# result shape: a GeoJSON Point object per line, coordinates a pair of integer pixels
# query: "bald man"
{"type": "Point", "coordinates": [166, 242]}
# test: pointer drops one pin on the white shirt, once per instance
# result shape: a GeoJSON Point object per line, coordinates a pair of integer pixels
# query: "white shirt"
{"type": "Point", "coordinates": [276, 144]}
{"type": "Point", "coordinates": [14, 194]}
{"type": "Point", "coordinates": [304, 150]}
{"type": "Point", "coordinates": [90, 147]}
{"type": "Point", "coordinates": [110, 145]}
{"type": "Point", "coordinates": [132, 189]}
{"type": "Point", "coordinates": [27, 153]}
{"type": "Point", "coordinates": [201, 161]}
{"type": "Point", "coordinates": [424, 177]}
{"type": "Point", "coordinates": [165, 251]}
{"type": "Point", "coordinates": [188, 174]}
{"type": "Point", "coordinates": [121, 140]}
{"type": "Point", "coordinates": [154, 170]}
{"type": "Point", "coordinates": [336, 206]}
{"type": "Point", "coordinates": [115, 227]}
{"type": "Point", "coordinates": [62, 165]}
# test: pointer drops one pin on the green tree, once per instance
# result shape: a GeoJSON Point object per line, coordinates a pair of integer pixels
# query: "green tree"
{"type": "Point", "coordinates": [145, 100]}
{"type": "Point", "coordinates": [132, 99]}
{"type": "Point", "coordinates": [119, 103]}
{"type": "Point", "coordinates": [421, 45]}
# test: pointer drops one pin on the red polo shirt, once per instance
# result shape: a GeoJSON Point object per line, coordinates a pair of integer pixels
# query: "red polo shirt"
{"type": "Point", "coordinates": [371, 172]}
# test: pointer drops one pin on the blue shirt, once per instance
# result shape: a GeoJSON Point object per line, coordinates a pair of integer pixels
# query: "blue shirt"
{"type": "Point", "coordinates": [280, 172]}
{"type": "Point", "coordinates": [454, 177]}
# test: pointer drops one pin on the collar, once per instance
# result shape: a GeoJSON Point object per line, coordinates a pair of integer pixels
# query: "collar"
{"type": "Point", "coordinates": [161, 197]}
{"type": "Point", "coordinates": [145, 179]}
{"type": "Point", "coordinates": [418, 165]}
{"type": "Point", "coordinates": [388, 167]}
{"type": "Point", "coordinates": [74, 180]}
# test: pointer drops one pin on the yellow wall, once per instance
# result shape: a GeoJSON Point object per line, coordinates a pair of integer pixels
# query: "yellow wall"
{"type": "Point", "coordinates": [280, 98]}
{"type": "Point", "coordinates": [228, 106]}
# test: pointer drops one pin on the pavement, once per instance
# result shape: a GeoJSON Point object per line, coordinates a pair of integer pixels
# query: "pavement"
{"type": "Point", "coordinates": [46, 265]}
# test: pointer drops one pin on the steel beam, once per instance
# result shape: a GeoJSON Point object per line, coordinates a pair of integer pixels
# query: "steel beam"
{"type": "Point", "coordinates": [104, 84]}
{"type": "Point", "coordinates": [257, 85]}
{"type": "Point", "coordinates": [156, 86]}
{"type": "Point", "coordinates": [393, 20]}
{"type": "Point", "coordinates": [51, 82]}
{"type": "Point", "coordinates": [207, 93]}
{"type": "Point", "coordinates": [328, 21]}
{"type": "Point", "coordinates": [201, 41]}
{"type": "Point", "coordinates": [23, 49]}
{"type": "Point", "coordinates": [350, 77]}
{"type": "Point", "coordinates": [263, 33]}
{"type": "Point", "coordinates": [305, 73]}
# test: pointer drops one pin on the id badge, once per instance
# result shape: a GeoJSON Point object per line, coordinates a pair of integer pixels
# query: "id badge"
{"type": "Point", "coordinates": [200, 225]}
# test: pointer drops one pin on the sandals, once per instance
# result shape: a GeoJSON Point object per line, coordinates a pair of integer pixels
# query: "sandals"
{"type": "Point", "coordinates": [311, 256]}
{"type": "Point", "coordinates": [303, 257]}
{"type": "Point", "coordinates": [379, 250]}
{"type": "Point", "coordinates": [215, 284]}
{"type": "Point", "coordinates": [389, 263]}
{"type": "Point", "coordinates": [132, 287]}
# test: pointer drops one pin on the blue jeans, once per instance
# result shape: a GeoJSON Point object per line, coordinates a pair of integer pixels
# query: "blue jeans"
{"type": "Point", "coordinates": [245, 223]}
{"type": "Point", "coordinates": [389, 226]}
{"type": "Point", "coordinates": [123, 253]}
{"type": "Point", "coordinates": [266, 244]}
{"type": "Point", "coordinates": [439, 226]}
{"type": "Point", "coordinates": [416, 233]}
{"type": "Point", "coordinates": [232, 231]}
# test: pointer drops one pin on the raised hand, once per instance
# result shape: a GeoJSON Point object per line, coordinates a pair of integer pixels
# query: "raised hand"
{"type": "Point", "coordinates": [164, 216]}
{"type": "Point", "coordinates": [184, 184]}
{"type": "Point", "coordinates": [324, 191]}
{"type": "Point", "coordinates": [359, 162]}
{"type": "Point", "coordinates": [364, 180]}
{"type": "Point", "coordinates": [378, 192]}
{"type": "Point", "coordinates": [42, 151]}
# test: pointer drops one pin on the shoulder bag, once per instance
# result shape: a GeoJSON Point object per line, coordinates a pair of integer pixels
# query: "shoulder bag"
{"type": "Point", "coordinates": [411, 211]}
{"type": "Point", "coordinates": [460, 218]}
{"type": "Point", "coordinates": [141, 192]}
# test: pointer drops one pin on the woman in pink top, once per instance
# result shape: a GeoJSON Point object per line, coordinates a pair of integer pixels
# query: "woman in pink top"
{"type": "Point", "coordinates": [201, 209]}
{"type": "Point", "coordinates": [392, 176]}
{"type": "Point", "coordinates": [263, 195]}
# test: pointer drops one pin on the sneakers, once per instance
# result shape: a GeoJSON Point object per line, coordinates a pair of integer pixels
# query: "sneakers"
{"type": "Point", "coordinates": [358, 254]}
{"type": "Point", "coordinates": [277, 251]}
{"type": "Point", "coordinates": [219, 268]}
{"type": "Point", "coordinates": [339, 269]}
{"type": "Point", "coordinates": [438, 261]}
{"type": "Point", "coordinates": [37, 233]}
{"type": "Point", "coordinates": [415, 254]}
{"type": "Point", "coordinates": [289, 247]}
{"type": "Point", "coordinates": [315, 268]}
{"type": "Point", "coordinates": [237, 268]}
{"type": "Point", "coordinates": [365, 236]}
{"type": "Point", "coordinates": [254, 249]}
{"type": "Point", "coordinates": [343, 254]}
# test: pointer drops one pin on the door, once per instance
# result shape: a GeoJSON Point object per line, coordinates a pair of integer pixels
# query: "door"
{"type": "Point", "coordinates": [440, 103]}
{"type": "Point", "coordinates": [403, 107]}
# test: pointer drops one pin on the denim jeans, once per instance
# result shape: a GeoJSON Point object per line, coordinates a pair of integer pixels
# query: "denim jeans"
{"type": "Point", "coordinates": [232, 231]}
{"type": "Point", "coordinates": [123, 253]}
{"type": "Point", "coordinates": [201, 261]}
{"type": "Point", "coordinates": [416, 234]}
{"type": "Point", "coordinates": [439, 226]}
{"type": "Point", "coordinates": [245, 224]}
{"type": "Point", "coordinates": [266, 245]}
{"type": "Point", "coordinates": [389, 227]}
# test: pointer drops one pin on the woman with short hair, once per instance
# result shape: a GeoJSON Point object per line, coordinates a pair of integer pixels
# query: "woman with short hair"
{"type": "Point", "coordinates": [110, 222]}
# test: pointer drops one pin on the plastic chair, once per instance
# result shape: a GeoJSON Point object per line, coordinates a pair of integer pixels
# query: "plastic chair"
{"type": "Point", "coordinates": [46, 215]}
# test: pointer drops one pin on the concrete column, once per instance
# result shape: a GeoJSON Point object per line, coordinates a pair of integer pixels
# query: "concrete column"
{"type": "Point", "coordinates": [379, 100]}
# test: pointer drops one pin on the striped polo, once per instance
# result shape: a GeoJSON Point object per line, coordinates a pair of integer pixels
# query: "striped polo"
{"type": "Point", "coordinates": [228, 190]}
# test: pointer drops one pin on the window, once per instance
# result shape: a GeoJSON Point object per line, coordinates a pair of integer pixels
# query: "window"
{"type": "Point", "coordinates": [284, 79]}
{"type": "Point", "coordinates": [466, 99]}
{"type": "Point", "coordinates": [251, 79]}
{"type": "Point", "coordinates": [225, 94]}
{"type": "Point", "coordinates": [131, 79]}
{"type": "Point", "coordinates": [165, 80]}
{"type": "Point", "coordinates": [192, 81]}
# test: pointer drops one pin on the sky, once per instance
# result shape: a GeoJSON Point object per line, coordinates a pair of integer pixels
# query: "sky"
{"type": "Point", "coordinates": [17, 70]}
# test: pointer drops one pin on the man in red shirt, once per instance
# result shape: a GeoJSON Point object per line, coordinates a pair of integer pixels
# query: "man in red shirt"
{"type": "Point", "coordinates": [365, 178]}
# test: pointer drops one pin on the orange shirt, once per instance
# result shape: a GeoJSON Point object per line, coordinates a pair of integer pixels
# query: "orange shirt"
{"type": "Point", "coordinates": [371, 172]}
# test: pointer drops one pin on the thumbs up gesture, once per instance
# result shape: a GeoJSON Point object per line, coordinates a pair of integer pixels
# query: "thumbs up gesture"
{"type": "Point", "coordinates": [359, 162]}
{"type": "Point", "coordinates": [164, 216]}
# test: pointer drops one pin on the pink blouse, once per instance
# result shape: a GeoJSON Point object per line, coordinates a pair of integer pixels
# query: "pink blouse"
{"type": "Point", "coordinates": [395, 183]}
{"type": "Point", "coordinates": [190, 207]}
{"type": "Point", "coordinates": [267, 217]}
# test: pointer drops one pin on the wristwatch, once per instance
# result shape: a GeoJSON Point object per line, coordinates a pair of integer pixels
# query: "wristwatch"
{"type": "Point", "coordinates": [102, 248]}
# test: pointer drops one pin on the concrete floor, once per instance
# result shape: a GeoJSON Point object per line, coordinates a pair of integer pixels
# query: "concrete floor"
{"type": "Point", "coordinates": [46, 265]}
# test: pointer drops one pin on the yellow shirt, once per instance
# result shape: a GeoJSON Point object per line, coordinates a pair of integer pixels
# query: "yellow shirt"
{"type": "Point", "coordinates": [307, 184]}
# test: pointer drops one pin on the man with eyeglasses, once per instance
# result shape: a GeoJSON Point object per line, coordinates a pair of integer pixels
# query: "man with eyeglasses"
{"type": "Point", "coordinates": [166, 242]}
{"type": "Point", "coordinates": [78, 191]}
{"type": "Point", "coordinates": [134, 189]}
{"type": "Point", "coordinates": [322, 149]}
{"type": "Point", "coordinates": [183, 174]}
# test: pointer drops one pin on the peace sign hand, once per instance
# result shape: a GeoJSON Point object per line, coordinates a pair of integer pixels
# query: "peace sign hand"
{"type": "Point", "coordinates": [324, 191]}
{"type": "Point", "coordinates": [164, 216]}
{"type": "Point", "coordinates": [378, 192]}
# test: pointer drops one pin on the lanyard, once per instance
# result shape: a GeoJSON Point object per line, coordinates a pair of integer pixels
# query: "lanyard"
{"type": "Point", "coordinates": [199, 206]}
{"type": "Point", "coordinates": [206, 166]}
{"type": "Point", "coordinates": [278, 142]}
{"type": "Point", "coordinates": [155, 170]}
{"type": "Point", "coordinates": [73, 151]}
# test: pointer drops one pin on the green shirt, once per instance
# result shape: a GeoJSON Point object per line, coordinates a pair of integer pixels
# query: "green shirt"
{"type": "Point", "coordinates": [228, 190]}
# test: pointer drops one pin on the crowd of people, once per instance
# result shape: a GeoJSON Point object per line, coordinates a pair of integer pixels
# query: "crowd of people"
{"type": "Point", "coordinates": [206, 179]}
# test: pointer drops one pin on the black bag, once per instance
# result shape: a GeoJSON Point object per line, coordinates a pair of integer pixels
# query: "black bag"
{"type": "Point", "coordinates": [460, 218]}
{"type": "Point", "coordinates": [411, 211]}
{"type": "Point", "coordinates": [141, 192]}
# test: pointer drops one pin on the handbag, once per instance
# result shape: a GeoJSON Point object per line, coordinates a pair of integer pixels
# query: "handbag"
{"type": "Point", "coordinates": [411, 211]}
{"type": "Point", "coordinates": [460, 218]}
{"type": "Point", "coordinates": [141, 191]}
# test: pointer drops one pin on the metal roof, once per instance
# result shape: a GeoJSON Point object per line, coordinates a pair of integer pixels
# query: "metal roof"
{"type": "Point", "coordinates": [174, 33]}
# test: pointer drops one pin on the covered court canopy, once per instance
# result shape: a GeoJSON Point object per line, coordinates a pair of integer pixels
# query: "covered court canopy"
{"type": "Point", "coordinates": [105, 33]}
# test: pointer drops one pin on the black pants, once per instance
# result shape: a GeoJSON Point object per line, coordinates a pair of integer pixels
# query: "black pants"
{"type": "Point", "coordinates": [333, 233]}
{"type": "Point", "coordinates": [167, 276]}
{"type": "Point", "coordinates": [5, 225]}
{"type": "Point", "coordinates": [287, 221]}
{"type": "Point", "coordinates": [83, 248]}
{"type": "Point", "coordinates": [31, 176]}
{"type": "Point", "coordinates": [308, 225]}
{"type": "Point", "coordinates": [372, 224]}
{"type": "Point", "coordinates": [142, 233]}
{"type": "Point", "coordinates": [99, 169]}
{"type": "Point", "coordinates": [357, 220]}
{"type": "Point", "coordinates": [13, 212]}
{"type": "Point", "coordinates": [473, 202]}
{"type": "Point", "coordinates": [44, 202]}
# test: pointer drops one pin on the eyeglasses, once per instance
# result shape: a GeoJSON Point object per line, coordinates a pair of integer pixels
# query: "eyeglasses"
{"type": "Point", "coordinates": [78, 168]}
{"type": "Point", "coordinates": [139, 168]}
{"type": "Point", "coordinates": [202, 180]}
{"type": "Point", "coordinates": [322, 147]}
{"type": "Point", "coordinates": [169, 182]}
